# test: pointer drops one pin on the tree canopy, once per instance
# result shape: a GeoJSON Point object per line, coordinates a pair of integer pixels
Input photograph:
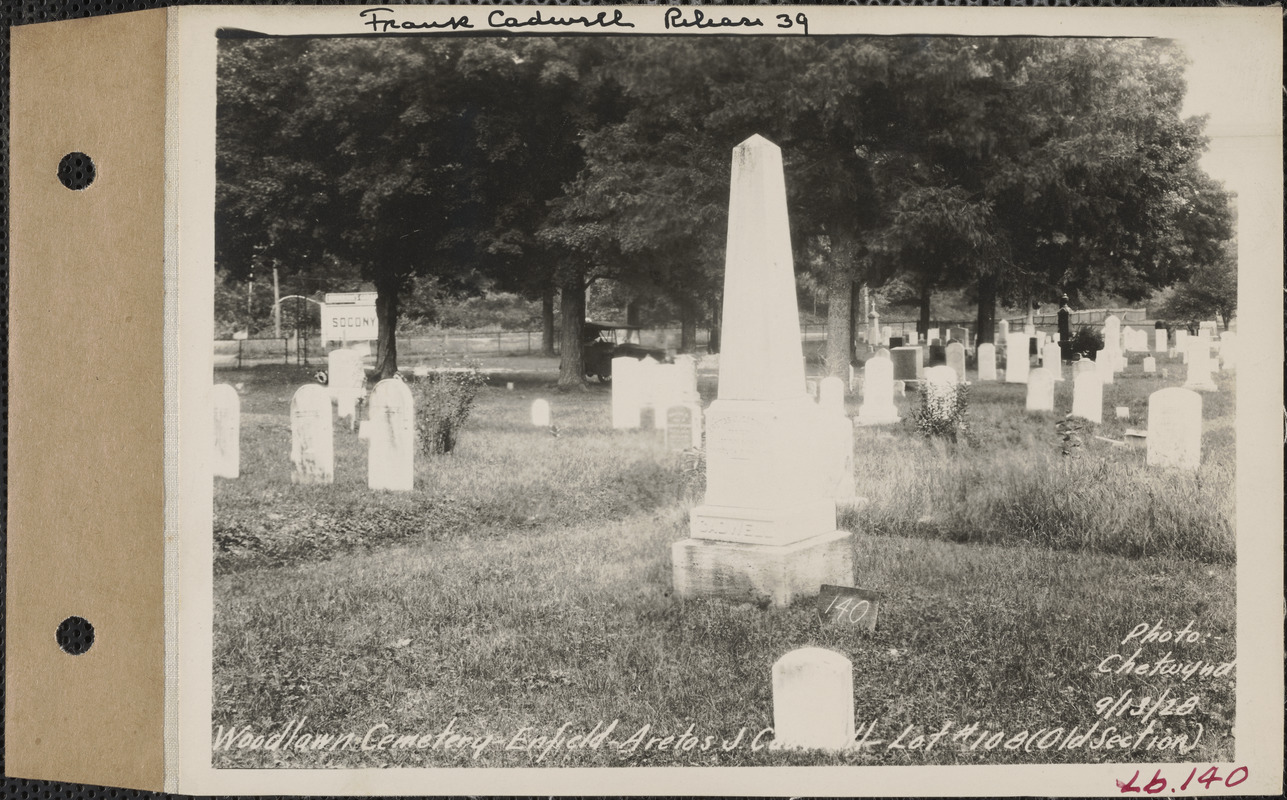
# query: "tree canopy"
{"type": "Point", "coordinates": [1015, 168]}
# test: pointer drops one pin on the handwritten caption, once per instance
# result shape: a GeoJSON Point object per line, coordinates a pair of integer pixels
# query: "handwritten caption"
{"type": "Point", "coordinates": [388, 20]}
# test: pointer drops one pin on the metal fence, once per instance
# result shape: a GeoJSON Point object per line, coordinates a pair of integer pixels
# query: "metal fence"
{"type": "Point", "coordinates": [464, 344]}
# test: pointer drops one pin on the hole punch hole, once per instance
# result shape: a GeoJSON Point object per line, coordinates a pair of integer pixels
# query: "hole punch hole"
{"type": "Point", "coordinates": [75, 635]}
{"type": "Point", "coordinates": [76, 171]}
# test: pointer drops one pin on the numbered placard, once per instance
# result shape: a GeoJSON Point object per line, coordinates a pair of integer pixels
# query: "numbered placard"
{"type": "Point", "coordinates": [848, 607]}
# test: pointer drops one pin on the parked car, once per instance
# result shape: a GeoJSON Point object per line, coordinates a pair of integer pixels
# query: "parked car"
{"type": "Point", "coordinates": [604, 341]}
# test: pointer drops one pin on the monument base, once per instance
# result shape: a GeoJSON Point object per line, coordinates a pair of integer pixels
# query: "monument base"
{"type": "Point", "coordinates": [755, 572]}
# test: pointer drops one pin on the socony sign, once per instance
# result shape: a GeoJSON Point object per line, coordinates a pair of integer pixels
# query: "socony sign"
{"type": "Point", "coordinates": [349, 322]}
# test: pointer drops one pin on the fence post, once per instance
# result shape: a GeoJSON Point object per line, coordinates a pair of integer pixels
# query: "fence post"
{"type": "Point", "coordinates": [529, 343]}
{"type": "Point", "coordinates": [498, 342]}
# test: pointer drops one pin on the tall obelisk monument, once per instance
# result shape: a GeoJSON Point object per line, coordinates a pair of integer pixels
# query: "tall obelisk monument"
{"type": "Point", "coordinates": [767, 527]}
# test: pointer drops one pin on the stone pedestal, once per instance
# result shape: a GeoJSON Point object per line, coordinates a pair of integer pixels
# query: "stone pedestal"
{"type": "Point", "coordinates": [744, 572]}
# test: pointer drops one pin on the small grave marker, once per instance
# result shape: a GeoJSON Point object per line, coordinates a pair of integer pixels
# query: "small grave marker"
{"type": "Point", "coordinates": [541, 413]}
{"type": "Point", "coordinates": [813, 700]}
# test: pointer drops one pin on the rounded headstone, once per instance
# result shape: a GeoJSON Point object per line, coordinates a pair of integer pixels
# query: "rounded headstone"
{"type": "Point", "coordinates": [813, 700]}
{"type": "Point", "coordinates": [1174, 428]}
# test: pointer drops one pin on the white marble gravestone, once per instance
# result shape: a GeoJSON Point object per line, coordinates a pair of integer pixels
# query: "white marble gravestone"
{"type": "Point", "coordinates": [1182, 343]}
{"type": "Point", "coordinates": [227, 431]}
{"type": "Point", "coordinates": [312, 436]}
{"type": "Point", "coordinates": [1150, 364]}
{"type": "Point", "coordinates": [831, 396]}
{"type": "Point", "coordinates": [1041, 390]}
{"type": "Point", "coordinates": [1052, 361]}
{"type": "Point", "coordinates": [1199, 375]}
{"type": "Point", "coordinates": [878, 393]}
{"type": "Point", "coordinates": [1159, 340]}
{"type": "Point", "coordinates": [1174, 428]}
{"type": "Point", "coordinates": [987, 362]}
{"type": "Point", "coordinates": [541, 413]}
{"type": "Point", "coordinates": [1003, 331]}
{"type": "Point", "coordinates": [346, 381]}
{"type": "Point", "coordinates": [1016, 358]}
{"type": "Point", "coordinates": [882, 352]}
{"type": "Point", "coordinates": [813, 700]}
{"type": "Point", "coordinates": [627, 392]}
{"type": "Point", "coordinates": [956, 359]}
{"type": "Point", "coordinates": [391, 436]}
{"type": "Point", "coordinates": [767, 529]}
{"type": "Point", "coordinates": [1088, 395]}
{"type": "Point", "coordinates": [1104, 361]}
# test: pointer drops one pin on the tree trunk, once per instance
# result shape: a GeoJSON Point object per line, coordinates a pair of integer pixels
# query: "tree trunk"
{"type": "Point", "coordinates": [857, 317]}
{"type": "Point", "coordinates": [572, 313]}
{"type": "Point", "coordinates": [986, 320]}
{"type": "Point", "coordinates": [839, 332]}
{"type": "Point", "coordinates": [923, 325]}
{"type": "Point", "coordinates": [687, 328]}
{"type": "Point", "coordinates": [547, 322]}
{"type": "Point", "coordinates": [632, 313]}
{"type": "Point", "coordinates": [386, 313]}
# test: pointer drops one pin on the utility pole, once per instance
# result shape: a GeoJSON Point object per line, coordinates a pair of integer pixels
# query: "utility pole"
{"type": "Point", "coordinates": [277, 309]}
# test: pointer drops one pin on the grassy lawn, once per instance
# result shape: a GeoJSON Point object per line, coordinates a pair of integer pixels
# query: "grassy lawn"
{"type": "Point", "coordinates": [525, 584]}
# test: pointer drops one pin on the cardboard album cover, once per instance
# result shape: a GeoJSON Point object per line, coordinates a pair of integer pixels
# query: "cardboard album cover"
{"type": "Point", "coordinates": [740, 400]}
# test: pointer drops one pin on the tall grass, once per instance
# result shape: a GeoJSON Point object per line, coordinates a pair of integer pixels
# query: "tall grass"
{"type": "Point", "coordinates": [526, 581]}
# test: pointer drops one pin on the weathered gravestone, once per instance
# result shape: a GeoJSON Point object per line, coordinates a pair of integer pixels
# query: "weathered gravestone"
{"type": "Point", "coordinates": [831, 396]}
{"type": "Point", "coordinates": [907, 362]}
{"type": "Point", "coordinates": [391, 436]}
{"type": "Point", "coordinates": [1104, 361]}
{"type": "Point", "coordinates": [956, 359]}
{"type": "Point", "coordinates": [959, 334]}
{"type": "Point", "coordinates": [346, 381]}
{"type": "Point", "coordinates": [651, 377]}
{"type": "Point", "coordinates": [1052, 361]}
{"type": "Point", "coordinates": [1159, 340]}
{"type": "Point", "coordinates": [1016, 358]}
{"type": "Point", "coordinates": [813, 700]}
{"type": "Point", "coordinates": [227, 431]}
{"type": "Point", "coordinates": [1182, 343]}
{"type": "Point", "coordinates": [987, 362]}
{"type": "Point", "coordinates": [1003, 331]}
{"type": "Point", "coordinates": [881, 352]}
{"type": "Point", "coordinates": [877, 393]}
{"type": "Point", "coordinates": [683, 427]}
{"type": "Point", "coordinates": [1041, 390]}
{"type": "Point", "coordinates": [1228, 350]}
{"type": "Point", "coordinates": [312, 436]}
{"type": "Point", "coordinates": [1150, 364]}
{"type": "Point", "coordinates": [1200, 367]}
{"type": "Point", "coordinates": [1174, 428]}
{"type": "Point", "coordinates": [1088, 395]}
{"type": "Point", "coordinates": [766, 529]}
{"type": "Point", "coordinates": [627, 392]}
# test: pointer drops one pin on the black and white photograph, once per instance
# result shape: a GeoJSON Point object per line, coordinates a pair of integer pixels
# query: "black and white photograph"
{"type": "Point", "coordinates": [738, 389]}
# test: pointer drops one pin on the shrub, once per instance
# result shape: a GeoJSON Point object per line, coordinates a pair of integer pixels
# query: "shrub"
{"type": "Point", "coordinates": [1087, 340]}
{"type": "Point", "coordinates": [943, 410]}
{"type": "Point", "coordinates": [443, 403]}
